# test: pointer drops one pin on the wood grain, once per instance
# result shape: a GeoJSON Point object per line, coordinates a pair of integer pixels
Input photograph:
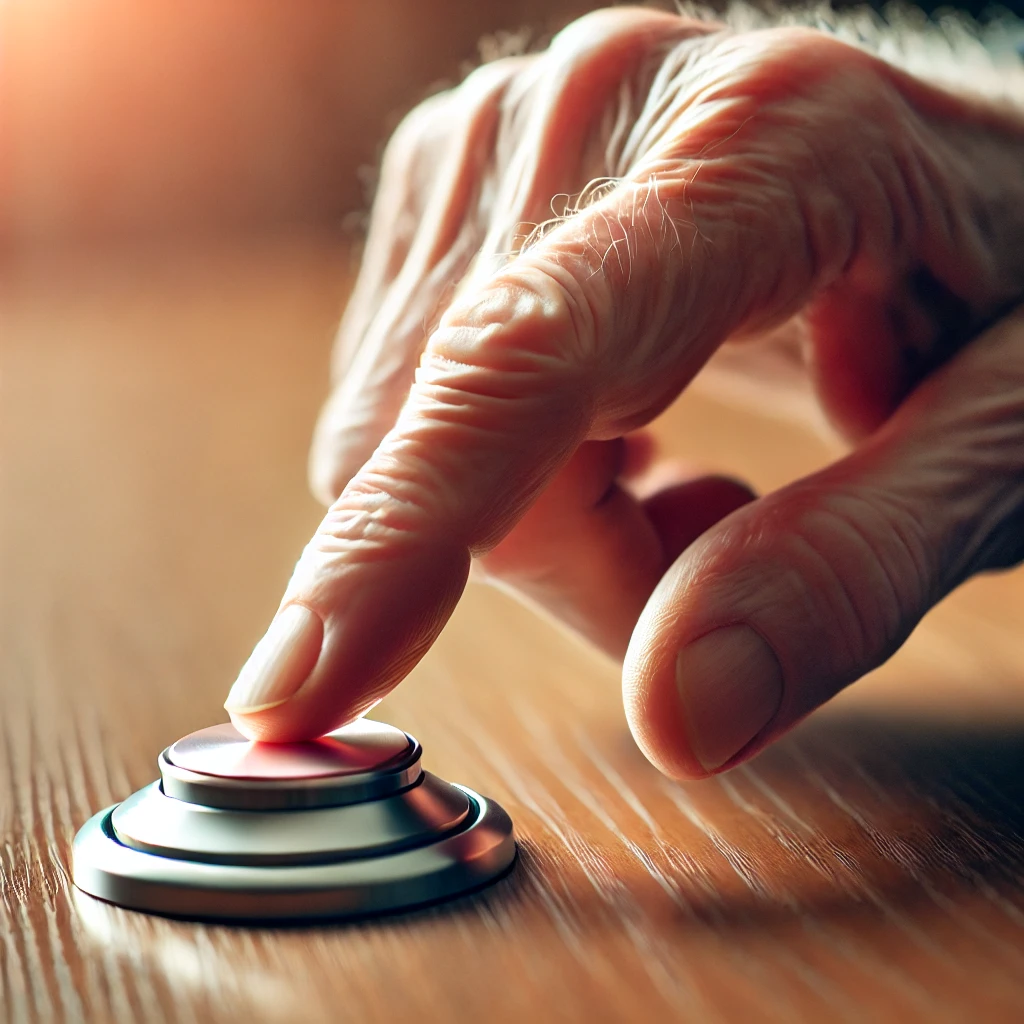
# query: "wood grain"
{"type": "Point", "coordinates": [154, 414]}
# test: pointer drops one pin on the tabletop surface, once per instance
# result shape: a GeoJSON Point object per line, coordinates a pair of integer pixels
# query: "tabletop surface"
{"type": "Point", "coordinates": [154, 416]}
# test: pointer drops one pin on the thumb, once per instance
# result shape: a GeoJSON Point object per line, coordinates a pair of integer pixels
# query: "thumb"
{"type": "Point", "coordinates": [800, 593]}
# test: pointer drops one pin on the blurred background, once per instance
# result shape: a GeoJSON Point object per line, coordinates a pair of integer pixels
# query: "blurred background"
{"type": "Point", "coordinates": [170, 118]}
{"type": "Point", "coordinates": [154, 119]}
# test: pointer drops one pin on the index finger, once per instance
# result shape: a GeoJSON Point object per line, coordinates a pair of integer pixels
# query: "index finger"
{"type": "Point", "coordinates": [513, 380]}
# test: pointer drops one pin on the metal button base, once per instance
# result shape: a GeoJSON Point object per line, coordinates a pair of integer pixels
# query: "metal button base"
{"type": "Point", "coordinates": [450, 866]}
{"type": "Point", "coordinates": [408, 846]}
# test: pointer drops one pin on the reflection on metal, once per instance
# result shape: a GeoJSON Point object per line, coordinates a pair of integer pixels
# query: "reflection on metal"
{"type": "Point", "coordinates": [346, 825]}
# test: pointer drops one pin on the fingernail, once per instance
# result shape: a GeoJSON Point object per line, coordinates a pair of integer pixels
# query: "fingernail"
{"type": "Point", "coordinates": [280, 663]}
{"type": "Point", "coordinates": [730, 685]}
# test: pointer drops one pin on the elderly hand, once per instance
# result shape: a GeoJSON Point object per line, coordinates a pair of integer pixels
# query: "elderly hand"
{"type": "Point", "coordinates": [727, 182]}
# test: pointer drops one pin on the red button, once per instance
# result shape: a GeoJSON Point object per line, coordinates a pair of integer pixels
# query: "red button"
{"type": "Point", "coordinates": [361, 747]}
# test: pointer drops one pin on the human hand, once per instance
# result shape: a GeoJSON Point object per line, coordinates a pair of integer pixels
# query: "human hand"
{"type": "Point", "coordinates": [742, 179]}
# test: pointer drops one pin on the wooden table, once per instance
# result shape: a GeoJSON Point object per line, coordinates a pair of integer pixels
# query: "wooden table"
{"type": "Point", "coordinates": [154, 415]}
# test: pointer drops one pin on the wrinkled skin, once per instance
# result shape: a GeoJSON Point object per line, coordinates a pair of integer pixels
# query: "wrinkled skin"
{"type": "Point", "coordinates": [486, 392]}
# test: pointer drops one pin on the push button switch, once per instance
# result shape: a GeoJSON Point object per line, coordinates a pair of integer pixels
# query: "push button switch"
{"type": "Point", "coordinates": [345, 825]}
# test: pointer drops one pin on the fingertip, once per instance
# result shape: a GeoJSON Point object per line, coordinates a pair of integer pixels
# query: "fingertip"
{"type": "Point", "coordinates": [375, 627]}
{"type": "Point", "coordinates": [289, 722]}
{"type": "Point", "coordinates": [684, 508]}
{"type": "Point", "coordinates": [325, 473]}
{"type": "Point", "coordinates": [705, 707]}
{"type": "Point", "coordinates": [640, 449]}
{"type": "Point", "coordinates": [653, 710]}
{"type": "Point", "coordinates": [325, 483]}
{"type": "Point", "coordinates": [253, 725]}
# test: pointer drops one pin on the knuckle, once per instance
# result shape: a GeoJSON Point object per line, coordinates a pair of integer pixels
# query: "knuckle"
{"type": "Point", "coordinates": [492, 77]}
{"type": "Point", "coordinates": [798, 80]}
{"type": "Point", "coordinates": [526, 323]}
{"type": "Point", "coordinates": [411, 130]}
{"type": "Point", "coordinates": [595, 30]}
{"type": "Point", "coordinates": [416, 128]}
{"type": "Point", "coordinates": [804, 57]}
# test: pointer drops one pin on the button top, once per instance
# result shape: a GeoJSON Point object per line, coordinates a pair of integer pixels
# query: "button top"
{"type": "Point", "coordinates": [219, 767]}
{"type": "Point", "coordinates": [361, 747]}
